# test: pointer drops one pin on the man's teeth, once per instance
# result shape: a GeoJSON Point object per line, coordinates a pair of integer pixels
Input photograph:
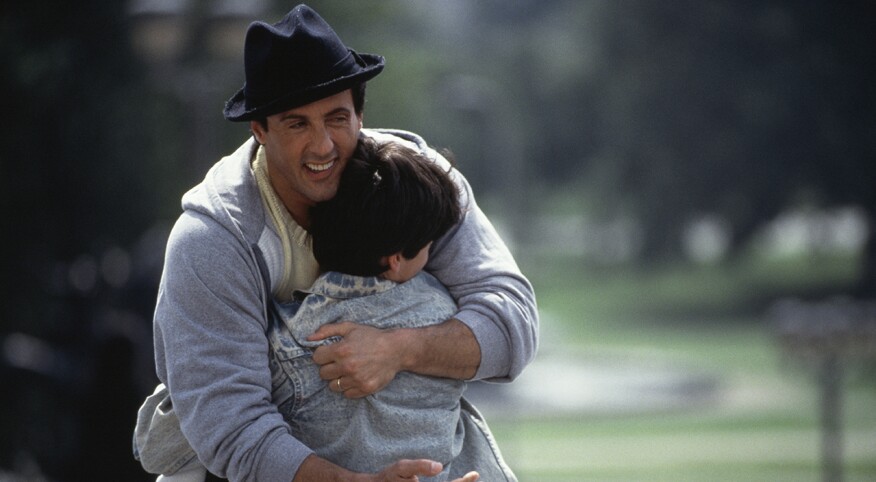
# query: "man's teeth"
{"type": "Point", "coordinates": [320, 167]}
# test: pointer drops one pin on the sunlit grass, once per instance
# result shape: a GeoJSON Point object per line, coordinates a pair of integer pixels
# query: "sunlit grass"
{"type": "Point", "coordinates": [763, 425]}
{"type": "Point", "coordinates": [575, 288]}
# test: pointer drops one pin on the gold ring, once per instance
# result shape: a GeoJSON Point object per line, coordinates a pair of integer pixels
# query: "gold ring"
{"type": "Point", "coordinates": [339, 385]}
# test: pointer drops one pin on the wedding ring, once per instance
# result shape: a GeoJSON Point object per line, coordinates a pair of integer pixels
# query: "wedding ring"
{"type": "Point", "coordinates": [339, 385]}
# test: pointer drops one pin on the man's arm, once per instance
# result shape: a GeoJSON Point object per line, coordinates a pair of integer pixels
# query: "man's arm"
{"type": "Point", "coordinates": [447, 350]}
{"type": "Point", "coordinates": [212, 354]}
{"type": "Point", "coordinates": [367, 359]}
{"type": "Point", "coordinates": [495, 300]}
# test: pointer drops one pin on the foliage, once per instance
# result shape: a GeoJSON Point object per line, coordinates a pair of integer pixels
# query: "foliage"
{"type": "Point", "coordinates": [77, 177]}
{"type": "Point", "coordinates": [683, 109]}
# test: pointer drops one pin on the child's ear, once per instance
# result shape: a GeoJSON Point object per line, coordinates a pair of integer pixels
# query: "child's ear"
{"type": "Point", "coordinates": [393, 265]}
{"type": "Point", "coordinates": [393, 262]}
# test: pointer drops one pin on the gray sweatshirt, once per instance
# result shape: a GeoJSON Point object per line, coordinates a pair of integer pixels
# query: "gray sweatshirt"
{"type": "Point", "coordinates": [211, 348]}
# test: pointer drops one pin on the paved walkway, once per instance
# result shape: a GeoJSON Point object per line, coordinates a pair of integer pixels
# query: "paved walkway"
{"type": "Point", "coordinates": [559, 385]}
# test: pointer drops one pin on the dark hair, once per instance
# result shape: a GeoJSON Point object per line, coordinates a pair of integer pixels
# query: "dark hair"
{"type": "Point", "coordinates": [390, 199]}
{"type": "Point", "coordinates": [358, 91]}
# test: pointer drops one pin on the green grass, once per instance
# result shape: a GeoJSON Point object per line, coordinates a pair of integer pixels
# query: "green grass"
{"type": "Point", "coordinates": [764, 423]}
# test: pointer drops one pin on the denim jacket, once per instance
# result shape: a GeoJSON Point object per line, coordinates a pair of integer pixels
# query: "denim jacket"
{"type": "Point", "coordinates": [414, 416]}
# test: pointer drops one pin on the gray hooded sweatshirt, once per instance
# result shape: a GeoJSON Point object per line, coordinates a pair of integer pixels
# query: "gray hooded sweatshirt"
{"type": "Point", "coordinates": [211, 347]}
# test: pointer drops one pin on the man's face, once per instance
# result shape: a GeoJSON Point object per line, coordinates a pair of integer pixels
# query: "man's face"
{"type": "Point", "coordinates": [307, 148]}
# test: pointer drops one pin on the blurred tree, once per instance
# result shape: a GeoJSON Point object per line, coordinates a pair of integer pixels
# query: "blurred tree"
{"type": "Point", "coordinates": [77, 178]}
{"type": "Point", "coordinates": [77, 172]}
{"type": "Point", "coordinates": [741, 110]}
{"type": "Point", "coordinates": [672, 111]}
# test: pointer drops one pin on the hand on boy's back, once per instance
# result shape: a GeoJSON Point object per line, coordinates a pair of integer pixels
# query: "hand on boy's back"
{"type": "Point", "coordinates": [365, 360]}
{"type": "Point", "coordinates": [408, 469]}
{"type": "Point", "coordinates": [315, 467]}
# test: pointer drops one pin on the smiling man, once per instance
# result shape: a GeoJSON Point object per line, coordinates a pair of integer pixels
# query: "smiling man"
{"type": "Point", "coordinates": [242, 239]}
{"type": "Point", "coordinates": [306, 149]}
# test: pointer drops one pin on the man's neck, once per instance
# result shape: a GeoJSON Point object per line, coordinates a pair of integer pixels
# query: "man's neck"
{"type": "Point", "coordinates": [299, 211]}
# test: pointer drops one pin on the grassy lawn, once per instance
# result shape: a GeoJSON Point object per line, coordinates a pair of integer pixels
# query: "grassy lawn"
{"type": "Point", "coordinates": [761, 425]}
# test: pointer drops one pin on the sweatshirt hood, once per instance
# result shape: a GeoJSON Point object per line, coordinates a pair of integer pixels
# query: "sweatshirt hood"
{"type": "Point", "coordinates": [229, 195]}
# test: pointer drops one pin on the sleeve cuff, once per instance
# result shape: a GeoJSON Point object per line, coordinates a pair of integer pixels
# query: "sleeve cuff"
{"type": "Point", "coordinates": [283, 458]}
{"type": "Point", "coordinates": [495, 349]}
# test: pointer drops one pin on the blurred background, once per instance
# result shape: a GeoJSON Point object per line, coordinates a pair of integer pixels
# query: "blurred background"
{"type": "Point", "coordinates": [689, 185]}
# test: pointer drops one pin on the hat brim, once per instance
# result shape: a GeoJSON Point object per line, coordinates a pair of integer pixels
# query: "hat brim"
{"type": "Point", "coordinates": [236, 110]}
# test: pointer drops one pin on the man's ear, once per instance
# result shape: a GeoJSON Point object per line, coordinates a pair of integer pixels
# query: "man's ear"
{"type": "Point", "coordinates": [258, 131]}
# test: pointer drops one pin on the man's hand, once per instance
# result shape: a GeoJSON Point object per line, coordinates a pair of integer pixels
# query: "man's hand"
{"type": "Point", "coordinates": [367, 359]}
{"type": "Point", "coordinates": [316, 468]}
{"type": "Point", "coordinates": [363, 362]}
{"type": "Point", "coordinates": [408, 470]}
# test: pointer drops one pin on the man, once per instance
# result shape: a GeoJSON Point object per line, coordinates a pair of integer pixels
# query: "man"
{"type": "Point", "coordinates": [303, 99]}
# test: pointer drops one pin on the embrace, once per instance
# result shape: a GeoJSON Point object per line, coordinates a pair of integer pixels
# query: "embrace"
{"type": "Point", "coordinates": [328, 291]}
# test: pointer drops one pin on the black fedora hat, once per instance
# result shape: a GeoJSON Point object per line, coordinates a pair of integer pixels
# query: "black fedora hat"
{"type": "Point", "coordinates": [294, 62]}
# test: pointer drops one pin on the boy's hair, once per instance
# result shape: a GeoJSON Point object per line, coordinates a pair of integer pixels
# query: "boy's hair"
{"type": "Point", "coordinates": [390, 199]}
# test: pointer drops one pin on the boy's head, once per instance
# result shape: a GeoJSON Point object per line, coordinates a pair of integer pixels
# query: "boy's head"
{"type": "Point", "coordinates": [390, 205]}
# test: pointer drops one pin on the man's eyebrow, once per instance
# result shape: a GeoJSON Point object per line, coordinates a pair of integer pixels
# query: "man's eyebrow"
{"type": "Point", "coordinates": [286, 117]}
{"type": "Point", "coordinates": [293, 116]}
{"type": "Point", "coordinates": [339, 110]}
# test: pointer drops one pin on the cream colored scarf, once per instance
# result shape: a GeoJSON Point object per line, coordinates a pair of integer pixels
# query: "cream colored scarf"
{"type": "Point", "coordinates": [300, 268]}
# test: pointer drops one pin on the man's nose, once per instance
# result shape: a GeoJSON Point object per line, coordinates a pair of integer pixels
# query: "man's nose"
{"type": "Point", "coordinates": [321, 142]}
